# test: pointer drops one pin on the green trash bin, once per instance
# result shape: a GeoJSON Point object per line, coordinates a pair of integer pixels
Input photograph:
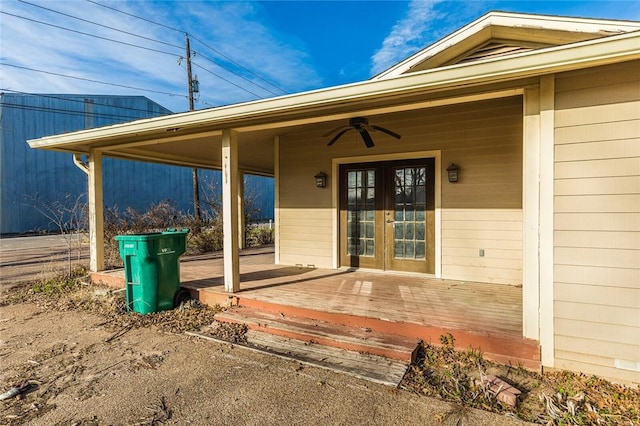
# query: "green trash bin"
{"type": "Point", "coordinates": [152, 269]}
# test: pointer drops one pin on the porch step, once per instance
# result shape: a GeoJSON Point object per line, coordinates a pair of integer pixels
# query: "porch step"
{"type": "Point", "coordinates": [378, 336]}
{"type": "Point", "coordinates": [363, 365]}
{"type": "Point", "coordinates": [324, 333]}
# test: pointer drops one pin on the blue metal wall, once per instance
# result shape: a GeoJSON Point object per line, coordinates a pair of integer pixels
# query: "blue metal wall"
{"type": "Point", "coordinates": [27, 173]}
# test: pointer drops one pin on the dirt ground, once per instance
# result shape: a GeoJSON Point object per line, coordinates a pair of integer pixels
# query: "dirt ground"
{"type": "Point", "coordinates": [84, 369]}
{"type": "Point", "coordinates": [88, 362]}
{"type": "Point", "coordinates": [85, 374]}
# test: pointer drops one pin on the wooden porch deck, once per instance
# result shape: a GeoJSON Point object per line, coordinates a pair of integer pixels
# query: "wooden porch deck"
{"type": "Point", "coordinates": [482, 315]}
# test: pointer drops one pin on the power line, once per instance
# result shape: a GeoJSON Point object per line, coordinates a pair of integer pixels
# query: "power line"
{"type": "Point", "coordinates": [228, 81]}
{"type": "Point", "coordinates": [237, 64]}
{"type": "Point", "coordinates": [89, 34]}
{"type": "Point", "coordinates": [40, 95]}
{"type": "Point", "coordinates": [93, 81]}
{"type": "Point", "coordinates": [242, 77]}
{"type": "Point", "coordinates": [146, 48]}
{"type": "Point", "coordinates": [101, 25]}
{"type": "Point", "coordinates": [135, 16]}
{"type": "Point", "coordinates": [204, 44]}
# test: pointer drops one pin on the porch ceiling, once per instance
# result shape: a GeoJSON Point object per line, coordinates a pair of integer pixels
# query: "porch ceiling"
{"type": "Point", "coordinates": [195, 138]}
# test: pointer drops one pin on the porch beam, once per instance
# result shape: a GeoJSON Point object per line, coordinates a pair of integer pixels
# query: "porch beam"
{"type": "Point", "coordinates": [230, 210]}
{"type": "Point", "coordinates": [96, 211]}
{"type": "Point", "coordinates": [432, 103]}
{"type": "Point", "coordinates": [547, 145]}
{"type": "Point", "coordinates": [140, 155]}
{"type": "Point", "coordinates": [530, 213]}
{"type": "Point", "coordinates": [162, 139]}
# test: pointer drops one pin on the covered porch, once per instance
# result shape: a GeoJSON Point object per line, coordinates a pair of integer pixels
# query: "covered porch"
{"type": "Point", "coordinates": [411, 306]}
{"type": "Point", "coordinates": [494, 227]}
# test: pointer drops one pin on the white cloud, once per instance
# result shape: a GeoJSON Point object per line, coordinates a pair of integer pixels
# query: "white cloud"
{"type": "Point", "coordinates": [408, 35]}
{"type": "Point", "coordinates": [230, 27]}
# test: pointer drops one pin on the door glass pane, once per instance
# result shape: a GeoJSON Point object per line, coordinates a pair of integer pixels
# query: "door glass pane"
{"type": "Point", "coordinates": [352, 196]}
{"type": "Point", "coordinates": [371, 195]}
{"type": "Point", "coordinates": [408, 231]}
{"type": "Point", "coordinates": [361, 212]}
{"type": "Point", "coordinates": [371, 178]}
{"type": "Point", "coordinates": [408, 249]}
{"type": "Point", "coordinates": [370, 230]}
{"type": "Point", "coordinates": [369, 251]}
{"type": "Point", "coordinates": [398, 230]}
{"type": "Point", "coordinates": [351, 180]}
{"type": "Point", "coordinates": [398, 249]}
{"type": "Point", "coordinates": [409, 213]}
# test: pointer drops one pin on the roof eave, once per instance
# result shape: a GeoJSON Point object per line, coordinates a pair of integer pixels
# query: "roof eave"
{"type": "Point", "coordinates": [590, 53]}
{"type": "Point", "coordinates": [497, 18]}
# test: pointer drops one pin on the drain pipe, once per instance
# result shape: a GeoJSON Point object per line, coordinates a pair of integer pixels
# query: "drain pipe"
{"type": "Point", "coordinates": [77, 160]}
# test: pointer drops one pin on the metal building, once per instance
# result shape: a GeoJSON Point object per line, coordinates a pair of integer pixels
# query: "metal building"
{"type": "Point", "coordinates": [29, 177]}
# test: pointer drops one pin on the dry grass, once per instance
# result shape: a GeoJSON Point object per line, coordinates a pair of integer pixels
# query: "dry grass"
{"type": "Point", "coordinates": [557, 398]}
{"type": "Point", "coordinates": [65, 293]}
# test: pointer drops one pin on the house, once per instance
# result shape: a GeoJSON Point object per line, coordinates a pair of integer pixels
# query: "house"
{"type": "Point", "coordinates": [36, 178]}
{"type": "Point", "coordinates": [518, 165]}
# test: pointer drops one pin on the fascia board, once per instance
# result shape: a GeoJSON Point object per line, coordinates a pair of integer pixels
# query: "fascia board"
{"type": "Point", "coordinates": [543, 61]}
{"type": "Point", "coordinates": [505, 19]}
{"type": "Point", "coordinates": [444, 43]}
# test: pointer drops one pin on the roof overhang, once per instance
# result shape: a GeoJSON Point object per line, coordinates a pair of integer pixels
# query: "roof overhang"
{"type": "Point", "coordinates": [528, 29]}
{"type": "Point", "coordinates": [186, 138]}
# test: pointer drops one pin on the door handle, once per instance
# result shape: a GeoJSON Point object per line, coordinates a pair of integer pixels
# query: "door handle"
{"type": "Point", "coordinates": [389, 221]}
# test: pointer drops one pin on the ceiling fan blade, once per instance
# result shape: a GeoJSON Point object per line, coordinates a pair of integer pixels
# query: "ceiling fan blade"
{"type": "Point", "coordinates": [366, 137]}
{"type": "Point", "coordinates": [335, 130]}
{"type": "Point", "coordinates": [336, 137]}
{"type": "Point", "coordinates": [387, 131]}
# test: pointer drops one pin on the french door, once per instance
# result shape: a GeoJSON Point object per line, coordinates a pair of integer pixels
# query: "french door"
{"type": "Point", "coordinates": [387, 215]}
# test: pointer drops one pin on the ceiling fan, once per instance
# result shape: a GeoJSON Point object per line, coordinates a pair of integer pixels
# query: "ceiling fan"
{"type": "Point", "coordinates": [362, 125]}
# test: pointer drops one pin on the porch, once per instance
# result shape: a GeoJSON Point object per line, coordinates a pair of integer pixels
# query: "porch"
{"type": "Point", "coordinates": [409, 307]}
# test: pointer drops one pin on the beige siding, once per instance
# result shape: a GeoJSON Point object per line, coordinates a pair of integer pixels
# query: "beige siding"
{"type": "Point", "coordinates": [597, 221]}
{"type": "Point", "coordinates": [498, 232]}
{"type": "Point", "coordinates": [482, 211]}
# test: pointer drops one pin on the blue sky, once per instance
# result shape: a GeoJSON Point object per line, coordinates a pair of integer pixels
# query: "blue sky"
{"type": "Point", "coordinates": [261, 49]}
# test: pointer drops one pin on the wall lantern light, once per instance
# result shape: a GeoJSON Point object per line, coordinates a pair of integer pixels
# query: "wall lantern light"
{"type": "Point", "coordinates": [453, 172]}
{"type": "Point", "coordinates": [321, 180]}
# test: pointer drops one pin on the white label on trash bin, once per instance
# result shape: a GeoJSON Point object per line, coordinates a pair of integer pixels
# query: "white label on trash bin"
{"type": "Point", "coordinates": [129, 245]}
{"type": "Point", "coordinates": [166, 251]}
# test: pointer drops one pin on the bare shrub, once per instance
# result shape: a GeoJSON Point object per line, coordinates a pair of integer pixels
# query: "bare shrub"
{"type": "Point", "coordinates": [157, 218]}
{"type": "Point", "coordinates": [70, 218]}
{"type": "Point", "coordinates": [259, 235]}
{"type": "Point", "coordinates": [212, 238]}
{"type": "Point", "coordinates": [207, 235]}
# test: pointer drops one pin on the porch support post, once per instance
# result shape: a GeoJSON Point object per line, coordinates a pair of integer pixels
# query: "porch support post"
{"type": "Point", "coordinates": [547, 145]}
{"type": "Point", "coordinates": [530, 213]}
{"type": "Point", "coordinates": [96, 211]}
{"type": "Point", "coordinates": [241, 217]}
{"type": "Point", "coordinates": [276, 199]}
{"type": "Point", "coordinates": [230, 210]}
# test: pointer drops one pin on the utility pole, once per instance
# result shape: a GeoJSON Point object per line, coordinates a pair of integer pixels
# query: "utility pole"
{"type": "Point", "coordinates": [196, 186]}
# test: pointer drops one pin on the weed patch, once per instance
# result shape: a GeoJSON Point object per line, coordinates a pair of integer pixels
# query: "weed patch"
{"type": "Point", "coordinates": [555, 398]}
{"type": "Point", "coordinates": [65, 293]}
